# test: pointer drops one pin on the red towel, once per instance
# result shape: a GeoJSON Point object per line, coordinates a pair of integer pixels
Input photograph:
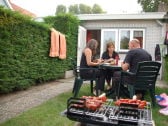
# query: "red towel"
{"type": "Point", "coordinates": [62, 54]}
{"type": "Point", "coordinates": [54, 49]}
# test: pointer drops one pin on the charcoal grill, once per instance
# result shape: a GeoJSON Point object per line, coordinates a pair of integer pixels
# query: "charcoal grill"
{"type": "Point", "coordinates": [108, 114]}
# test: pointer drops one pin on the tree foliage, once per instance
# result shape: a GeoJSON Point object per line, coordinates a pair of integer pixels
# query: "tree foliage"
{"type": "Point", "coordinates": [74, 9]}
{"type": "Point", "coordinates": [96, 9]}
{"type": "Point", "coordinates": [85, 9]}
{"type": "Point", "coordinates": [151, 5]}
{"type": "Point", "coordinates": [81, 9]}
{"type": "Point", "coordinates": [61, 9]}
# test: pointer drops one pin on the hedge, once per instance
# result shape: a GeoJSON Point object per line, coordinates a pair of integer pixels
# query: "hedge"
{"type": "Point", "coordinates": [165, 70]}
{"type": "Point", "coordinates": [24, 50]}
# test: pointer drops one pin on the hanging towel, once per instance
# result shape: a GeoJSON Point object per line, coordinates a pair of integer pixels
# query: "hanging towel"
{"type": "Point", "coordinates": [62, 53]}
{"type": "Point", "coordinates": [54, 48]}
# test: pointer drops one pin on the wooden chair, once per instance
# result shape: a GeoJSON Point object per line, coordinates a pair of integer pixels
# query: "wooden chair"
{"type": "Point", "coordinates": [144, 79]}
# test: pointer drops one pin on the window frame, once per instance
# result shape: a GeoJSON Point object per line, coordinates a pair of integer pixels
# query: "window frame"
{"type": "Point", "coordinates": [131, 37]}
{"type": "Point", "coordinates": [102, 39]}
{"type": "Point", "coordinates": [118, 38]}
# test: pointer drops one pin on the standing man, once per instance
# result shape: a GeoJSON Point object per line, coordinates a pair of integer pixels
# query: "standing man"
{"type": "Point", "coordinates": [135, 55]}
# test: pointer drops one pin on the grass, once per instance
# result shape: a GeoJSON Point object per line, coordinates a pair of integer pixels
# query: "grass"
{"type": "Point", "coordinates": [48, 113]}
{"type": "Point", "coordinates": [160, 120]}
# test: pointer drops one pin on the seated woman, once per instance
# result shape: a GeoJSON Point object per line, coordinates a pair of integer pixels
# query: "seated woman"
{"type": "Point", "coordinates": [110, 55]}
{"type": "Point", "coordinates": [87, 61]}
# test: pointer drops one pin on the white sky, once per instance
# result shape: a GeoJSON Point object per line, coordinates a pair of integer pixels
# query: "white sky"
{"type": "Point", "coordinates": [48, 7]}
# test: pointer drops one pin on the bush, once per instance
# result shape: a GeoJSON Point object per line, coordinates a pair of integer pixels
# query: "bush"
{"type": "Point", "coordinates": [166, 68]}
{"type": "Point", "coordinates": [24, 50]}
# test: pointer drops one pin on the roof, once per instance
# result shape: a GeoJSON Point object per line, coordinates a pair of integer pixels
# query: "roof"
{"type": "Point", "coordinates": [21, 10]}
{"type": "Point", "coordinates": [147, 15]}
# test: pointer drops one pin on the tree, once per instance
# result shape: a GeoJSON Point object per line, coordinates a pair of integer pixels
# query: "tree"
{"type": "Point", "coordinates": [80, 9]}
{"type": "Point", "coordinates": [74, 9]}
{"type": "Point", "coordinates": [84, 9]}
{"type": "Point", "coordinates": [61, 9]}
{"type": "Point", "coordinates": [96, 9]}
{"type": "Point", "coordinates": [151, 5]}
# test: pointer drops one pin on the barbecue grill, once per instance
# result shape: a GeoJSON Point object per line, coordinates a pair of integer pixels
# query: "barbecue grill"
{"type": "Point", "coordinates": [108, 114]}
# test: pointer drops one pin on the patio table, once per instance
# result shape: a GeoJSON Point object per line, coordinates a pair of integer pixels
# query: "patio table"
{"type": "Point", "coordinates": [108, 66]}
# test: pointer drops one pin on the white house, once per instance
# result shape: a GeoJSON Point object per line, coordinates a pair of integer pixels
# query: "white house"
{"type": "Point", "coordinates": [120, 28]}
{"type": "Point", "coordinates": [149, 28]}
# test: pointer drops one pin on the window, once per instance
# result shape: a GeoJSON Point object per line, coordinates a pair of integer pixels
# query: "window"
{"type": "Point", "coordinates": [124, 39]}
{"type": "Point", "coordinates": [108, 35]}
{"type": "Point", "coordinates": [121, 38]}
{"type": "Point", "coordinates": [125, 35]}
{"type": "Point", "coordinates": [138, 34]}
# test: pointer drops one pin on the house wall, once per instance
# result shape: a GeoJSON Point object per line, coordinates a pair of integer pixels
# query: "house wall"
{"type": "Point", "coordinates": [154, 31]}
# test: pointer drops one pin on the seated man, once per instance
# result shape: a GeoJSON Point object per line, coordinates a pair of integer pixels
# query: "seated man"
{"type": "Point", "coordinates": [135, 54]}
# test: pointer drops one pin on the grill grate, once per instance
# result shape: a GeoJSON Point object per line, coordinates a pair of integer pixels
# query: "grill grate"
{"type": "Point", "coordinates": [108, 114]}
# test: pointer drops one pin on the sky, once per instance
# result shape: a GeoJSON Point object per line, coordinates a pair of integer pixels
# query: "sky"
{"type": "Point", "coordinates": [48, 7]}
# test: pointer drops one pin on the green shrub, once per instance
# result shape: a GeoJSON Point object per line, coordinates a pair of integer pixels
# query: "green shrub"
{"type": "Point", "coordinates": [24, 50]}
{"type": "Point", "coordinates": [166, 68]}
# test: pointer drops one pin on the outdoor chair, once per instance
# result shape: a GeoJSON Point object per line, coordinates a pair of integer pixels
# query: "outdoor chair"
{"type": "Point", "coordinates": [79, 81]}
{"type": "Point", "coordinates": [144, 79]}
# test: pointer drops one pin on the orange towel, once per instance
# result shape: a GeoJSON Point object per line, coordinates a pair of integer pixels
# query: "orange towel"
{"type": "Point", "coordinates": [62, 54]}
{"type": "Point", "coordinates": [54, 48]}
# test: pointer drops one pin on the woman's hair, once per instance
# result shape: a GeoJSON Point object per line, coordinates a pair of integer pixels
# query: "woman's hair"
{"type": "Point", "coordinates": [109, 44]}
{"type": "Point", "coordinates": [92, 44]}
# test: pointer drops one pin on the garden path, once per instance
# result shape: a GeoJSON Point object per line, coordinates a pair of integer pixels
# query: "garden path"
{"type": "Point", "coordinates": [14, 104]}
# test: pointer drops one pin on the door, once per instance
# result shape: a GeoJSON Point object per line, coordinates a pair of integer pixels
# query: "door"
{"type": "Point", "coordinates": [81, 43]}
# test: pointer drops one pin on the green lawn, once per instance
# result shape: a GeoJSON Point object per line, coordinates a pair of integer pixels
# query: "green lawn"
{"type": "Point", "coordinates": [48, 114]}
{"type": "Point", "coordinates": [160, 120]}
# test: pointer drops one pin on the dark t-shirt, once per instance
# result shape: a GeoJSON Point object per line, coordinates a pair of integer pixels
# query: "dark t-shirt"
{"type": "Point", "coordinates": [105, 55]}
{"type": "Point", "coordinates": [136, 55]}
